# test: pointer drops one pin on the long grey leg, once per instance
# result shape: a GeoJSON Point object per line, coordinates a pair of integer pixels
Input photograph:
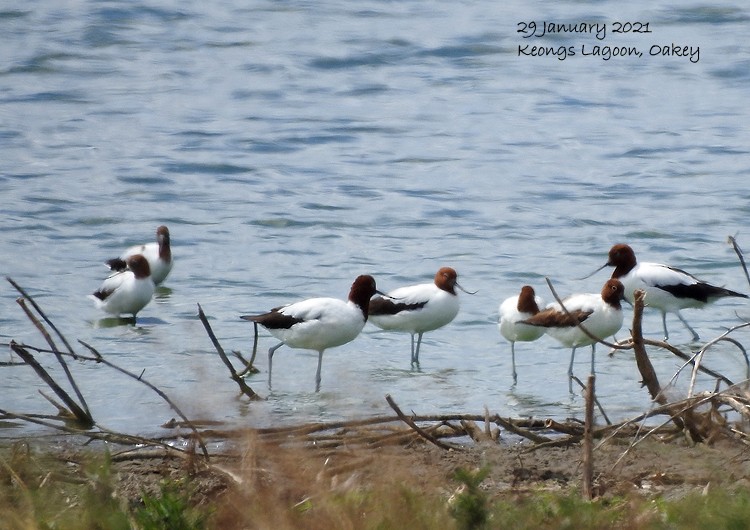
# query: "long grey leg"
{"type": "Point", "coordinates": [419, 343]}
{"type": "Point", "coordinates": [270, 361]}
{"type": "Point", "coordinates": [664, 325]}
{"type": "Point", "coordinates": [317, 374]}
{"type": "Point", "coordinates": [513, 360]}
{"type": "Point", "coordinates": [696, 338]}
{"type": "Point", "coordinates": [570, 370]}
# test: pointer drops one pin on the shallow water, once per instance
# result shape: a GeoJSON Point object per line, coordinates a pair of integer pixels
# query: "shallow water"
{"type": "Point", "coordinates": [292, 146]}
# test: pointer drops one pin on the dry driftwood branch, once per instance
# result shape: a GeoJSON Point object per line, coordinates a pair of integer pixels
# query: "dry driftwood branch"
{"type": "Point", "coordinates": [41, 313]}
{"type": "Point", "coordinates": [596, 401]}
{"type": "Point", "coordinates": [588, 442]}
{"type": "Point", "coordinates": [648, 374]}
{"type": "Point", "coordinates": [645, 368]}
{"type": "Point", "coordinates": [738, 251]}
{"type": "Point", "coordinates": [76, 411]}
{"type": "Point", "coordinates": [99, 358]}
{"type": "Point", "coordinates": [699, 355]}
{"type": "Point", "coordinates": [511, 426]}
{"type": "Point", "coordinates": [244, 388]}
{"type": "Point", "coordinates": [414, 426]}
{"type": "Point", "coordinates": [55, 350]}
{"type": "Point", "coordinates": [687, 358]}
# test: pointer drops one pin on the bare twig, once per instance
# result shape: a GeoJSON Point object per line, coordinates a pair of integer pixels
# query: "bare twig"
{"type": "Point", "coordinates": [738, 251]}
{"type": "Point", "coordinates": [76, 411]}
{"type": "Point", "coordinates": [588, 444]}
{"type": "Point", "coordinates": [41, 313]}
{"type": "Point", "coordinates": [414, 426]}
{"type": "Point", "coordinates": [646, 369]}
{"type": "Point", "coordinates": [699, 355]}
{"type": "Point", "coordinates": [509, 425]}
{"type": "Point", "coordinates": [244, 388]}
{"type": "Point", "coordinates": [99, 358]}
{"type": "Point", "coordinates": [596, 400]}
{"type": "Point", "coordinates": [58, 355]}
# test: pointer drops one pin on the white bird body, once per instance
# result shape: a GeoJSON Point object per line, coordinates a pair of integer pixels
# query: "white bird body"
{"type": "Point", "coordinates": [126, 292]}
{"type": "Point", "coordinates": [667, 289]}
{"type": "Point", "coordinates": [417, 309]}
{"type": "Point", "coordinates": [603, 321]}
{"type": "Point", "coordinates": [512, 311]}
{"type": "Point", "coordinates": [601, 314]}
{"type": "Point", "coordinates": [318, 323]}
{"type": "Point", "coordinates": [323, 323]}
{"type": "Point", "coordinates": [426, 308]}
{"type": "Point", "coordinates": [158, 254]}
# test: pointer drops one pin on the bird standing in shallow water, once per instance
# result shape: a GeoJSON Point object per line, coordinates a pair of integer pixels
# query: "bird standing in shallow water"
{"type": "Point", "coordinates": [158, 254]}
{"type": "Point", "coordinates": [667, 289]}
{"type": "Point", "coordinates": [601, 314]}
{"type": "Point", "coordinates": [512, 311]}
{"type": "Point", "coordinates": [126, 292]}
{"type": "Point", "coordinates": [318, 323]}
{"type": "Point", "coordinates": [417, 309]}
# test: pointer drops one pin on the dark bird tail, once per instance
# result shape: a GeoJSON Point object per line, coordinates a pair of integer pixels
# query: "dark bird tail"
{"type": "Point", "coordinates": [116, 264]}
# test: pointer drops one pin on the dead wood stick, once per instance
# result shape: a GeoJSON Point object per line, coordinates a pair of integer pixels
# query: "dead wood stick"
{"type": "Point", "coordinates": [38, 309]}
{"type": "Point", "coordinates": [676, 410]}
{"type": "Point", "coordinates": [55, 351]}
{"type": "Point", "coordinates": [588, 445]}
{"type": "Point", "coordinates": [474, 432]}
{"type": "Point", "coordinates": [487, 430]}
{"type": "Point", "coordinates": [698, 357]}
{"type": "Point", "coordinates": [244, 388]}
{"type": "Point", "coordinates": [42, 420]}
{"type": "Point", "coordinates": [76, 411]}
{"type": "Point", "coordinates": [685, 357]}
{"type": "Point", "coordinates": [508, 425]}
{"type": "Point", "coordinates": [596, 400]}
{"type": "Point", "coordinates": [99, 358]}
{"type": "Point", "coordinates": [563, 428]}
{"type": "Point", "coordinates": [645, 368]}
{"type": "Point", "coordinates": [557, 442]}
{"type": "Point", "coordinates": [738, 251]}
{"type": "Point", "coordinates": [414, 426]}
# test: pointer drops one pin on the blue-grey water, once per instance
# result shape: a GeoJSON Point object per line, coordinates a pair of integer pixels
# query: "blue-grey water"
{"type": "Point", "coordinates": [291, 146]}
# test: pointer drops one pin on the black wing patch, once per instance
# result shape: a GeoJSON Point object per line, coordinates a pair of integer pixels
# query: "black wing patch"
{"type": "Point", "coordinates": [274, 319]}
{"type": "Point", "coordinates": [117, 264]}
{"type": "Point", "coordinates": [102, 294]}
{"type": "Point", "coordinates": [699, 291]}
{"type": "Point", "coordinates": [387, 306]}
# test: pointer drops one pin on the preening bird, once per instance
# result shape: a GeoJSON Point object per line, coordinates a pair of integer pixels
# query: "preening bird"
{"type": "Point", "coordinates": [158, 254]}
{"type": "Point", "coordinates": [600, 313]}
{"type": "Point", "coordinates": [128, 291]}
{"type": "Point", "coordinates": [512, 311]}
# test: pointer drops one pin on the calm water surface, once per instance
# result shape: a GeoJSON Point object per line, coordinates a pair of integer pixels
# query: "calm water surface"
{"type": "Point", "coordinates": [291, 146]}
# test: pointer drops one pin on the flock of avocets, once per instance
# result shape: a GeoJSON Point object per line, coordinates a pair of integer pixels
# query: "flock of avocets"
{"type": "Point", "coordinates": [321, 323]}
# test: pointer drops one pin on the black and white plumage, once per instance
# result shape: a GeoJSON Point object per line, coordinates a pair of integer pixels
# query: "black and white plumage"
{"type": "Point", "coordinates": [417, 309]}
{"type": "Point", "coordinates": [126, 292]}
{"type": "Point", "coordinates": [158, 254]}
{"type": "Point", "coordinates": [600, 313]}
{"type": "Point", "coordinates": [513, 311]}
{"type": "Point", "coordinates": [318, 323]}
{"type": "Point", "coordinates": [667, 289]}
